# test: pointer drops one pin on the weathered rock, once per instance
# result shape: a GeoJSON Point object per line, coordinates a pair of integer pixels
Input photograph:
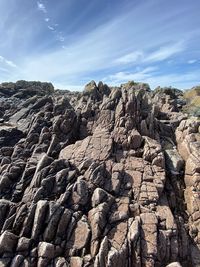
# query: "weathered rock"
{"type": "Point", "coordinates": [76, 262]}
{"type": "Point", "coordinates": [39, 218]}
{"type": "Point", "coordinates": [23, 244]}
{"type": "Point", "coordinates": [107, 177]}
{"type": "Point", "coordinates": [80, 236]}
{"type": "Point", "coordinates": [8, 242]}
{"type": "Point", "coordinates": [135, 139]}
{"type": "Point", "coordinates": [61, 262]}
{"type": "Point", "coordinates": [174, 161]}
{"type": "Point", "coordinates": [80, 192]}
{"type": "Point", "coordinates": [46, 250]}
{"type": "Point", "coordinates": [97, 147]}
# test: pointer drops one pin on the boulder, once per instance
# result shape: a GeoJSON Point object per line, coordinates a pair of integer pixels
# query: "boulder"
{"type": "Point", "coordinates": [8, 242]}
{"type": "Point", "coordinates": [46, 250]}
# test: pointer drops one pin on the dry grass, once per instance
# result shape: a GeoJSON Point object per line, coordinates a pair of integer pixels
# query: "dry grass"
{"type": "Point", "coordinates": [193, 101]}
{"type": "Point", "coordinates": [193, 93]}
{"type": "Point", "coordinates": [196, 101]}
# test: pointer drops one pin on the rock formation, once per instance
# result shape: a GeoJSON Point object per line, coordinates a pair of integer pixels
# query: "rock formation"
{"type": "Point", "coordinates": [106, 177]}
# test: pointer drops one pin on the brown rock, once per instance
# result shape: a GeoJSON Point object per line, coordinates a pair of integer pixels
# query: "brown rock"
{"type": "Point", "coordinates": [97, 147]}
{"type": "Point", "coordinates": [81, 235]}
{"type": "Point", "coordinates": [135, 139]}
{"type": "Point", "coordinates": [76, 262]}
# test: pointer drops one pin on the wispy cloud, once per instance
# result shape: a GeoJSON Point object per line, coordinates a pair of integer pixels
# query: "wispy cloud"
{"type": "Point", "coordinates": [152, 76]}
{"type": "Point", "coordinates": [51, 28]}
{"type": "Point", "coordinates": [160, 54]}
{"type": "Point", "coordinates": [183, 80]}
{"type": "Point", "coordinates": [41, 7]}
{"type": "Point", "coordinates": [54, 26]}
{"type": "Point", "coordinates": [100, 43]}
{"type": "Point", "coordinates": [130, 58]}
{"type": "Point", "coordinates": [139, 75]}
{"type": "Point", "coordinates": [7, 62]}
{"type": "Point", "coordinates": [192, 61]}
{"type": "Point", "coordinates": [165, 52]}
{"type": "Point", "coordinates": [61, 38]}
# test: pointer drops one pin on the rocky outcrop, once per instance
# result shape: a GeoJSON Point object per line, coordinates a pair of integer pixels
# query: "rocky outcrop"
{"type": "Point", "coordinates": [188, 138]}
{"type": "Point", "coordinates": [106, 177]}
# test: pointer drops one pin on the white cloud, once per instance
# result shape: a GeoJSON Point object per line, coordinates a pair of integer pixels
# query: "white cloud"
{"type": "Point", "coordinates": [7, 62]}
{"type": "Point", "coordinates": [60, 37]}
{"type": "Point", "coordinates": [41, 7]}
{"type": "Point", "coordinates": [130, 58]}
{"type": "Point", "coordinates": [47, 19]}
{"type": "Point", "coordinates": [97, 52]}
{"type": "Point", "coordinates": [165, 52]}
{"type": "Point", "coordinates": [121, 77]}
{"type": "Point", "coordinates": [51, 28]}
{"type": "Point", "coordinates": [154, 79]}
{"type": "Point", "coordinates": [183, 81]}
{"type": "Point", "coordinates": [192, 61]}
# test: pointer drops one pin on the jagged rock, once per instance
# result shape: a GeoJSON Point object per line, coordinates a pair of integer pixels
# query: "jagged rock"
{"type": "Point", "coordinates": [149, 238]}
{"type": "Point", "coordinates": [97, 147]}
{"type": "Point", "coordinates": [120, 210]}
{"type": "Point", "coordinates": [135, 139]}
{"type": "Point", "coordinates": [46, 250]}
{"type": "Point", "coordinates": [134, 230]}
{"type": "Point", "coordinates": [80, 236]}
{"type": "Point", "coordinates": [39, 218]}
{"type": "Point", "coordinates": [99, 196]}
{"type": "Point", "coordinates": [153, 152]}
{"type": "Point", "coordinates": [97, 219]}
{"type": "Point", "coordinates": [188, 145]}
{"type": "Point", "coordinates": [55, 213]}
{"type": "Point", "coordinates": [23, 244]}
{"type": "Point", "coordinates": [80, 192]}
{"type": "Point", "coordinates": [61, 262]}
{"type": "Point", "coordinates": [76, 262]}
{"type": "Point", "coordinates": [101, 257]}
{"type": "Point", "coordinates": [106, 177]}
{"type": "Point", "coordinates": [9, 135]}
{"type": "Point", "coordinates": [17, 261]}
{"type": "Point", "coordinates": [24, 89]}
{"type": "Point", "coordinates": [8, 242]}
{"type": "Point", "coordinates": [174, 161]}
{"type": "Point", "coordinates": [90, 86]}
{"type": "Point", "coordinates": [62, 226]}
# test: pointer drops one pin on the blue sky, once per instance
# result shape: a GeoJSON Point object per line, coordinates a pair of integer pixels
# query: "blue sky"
{"type": "Point", "coordinates": [70, 42]}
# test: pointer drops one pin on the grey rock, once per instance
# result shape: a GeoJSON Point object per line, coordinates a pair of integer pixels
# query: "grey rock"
{"type": "Point", "coordinates": [8, 242]}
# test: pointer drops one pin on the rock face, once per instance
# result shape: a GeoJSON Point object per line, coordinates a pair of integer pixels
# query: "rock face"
{"type": "Point", "coordinates": [106, 177]}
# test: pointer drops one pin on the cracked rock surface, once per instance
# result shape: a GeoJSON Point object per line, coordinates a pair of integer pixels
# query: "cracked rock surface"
{"type": "Point", "coordinates": [106, 177]}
